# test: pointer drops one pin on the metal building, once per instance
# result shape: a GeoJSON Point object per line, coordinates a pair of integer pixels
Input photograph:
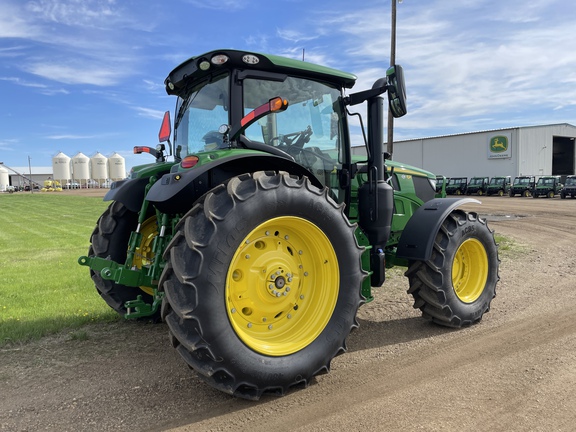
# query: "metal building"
{"type": "Point", "coordinates": [530, 150]}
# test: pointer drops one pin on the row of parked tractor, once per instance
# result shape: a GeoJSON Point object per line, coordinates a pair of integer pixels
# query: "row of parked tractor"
{"type": "Point", "coordinates": [525, 185]}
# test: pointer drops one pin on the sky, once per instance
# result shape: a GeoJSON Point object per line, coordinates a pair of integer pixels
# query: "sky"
{"type": "Point", "coordinates": [87, 75]}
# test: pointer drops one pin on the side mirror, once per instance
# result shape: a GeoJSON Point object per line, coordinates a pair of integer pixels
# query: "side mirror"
{"type": "Point", "coordinates": [396, 90]}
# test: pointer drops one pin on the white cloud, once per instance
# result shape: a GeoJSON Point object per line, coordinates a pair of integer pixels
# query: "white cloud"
{"type": "Point", "coordinates": [294, 35]}
{"type": "Point", "coordinates": [71, 137]}
{"type": "Point", "coordinates": [227, 5]}
{"type": "Point", "coordinates": [93, 74]}
{"type": "Point", "coordinates": [15, 25]}
{"type": "Point", "coordinates": [76, 13]}
{"type": "Point", "coordinates": [149, 113]}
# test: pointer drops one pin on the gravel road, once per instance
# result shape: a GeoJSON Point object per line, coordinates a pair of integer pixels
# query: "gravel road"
{"type": "Point", "coordinates": [515, 371]}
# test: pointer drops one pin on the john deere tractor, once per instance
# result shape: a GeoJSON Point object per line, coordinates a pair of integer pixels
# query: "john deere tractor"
{"type": "Point", "coordinates": [256, 235]}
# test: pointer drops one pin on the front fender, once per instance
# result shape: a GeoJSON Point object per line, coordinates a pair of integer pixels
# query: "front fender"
{"type": "Point", "coordinates": [176, 192]}
{"type": "Point", "coordinates": [129, 192]}
{"type": "Point", "coordinates": [417, 239]}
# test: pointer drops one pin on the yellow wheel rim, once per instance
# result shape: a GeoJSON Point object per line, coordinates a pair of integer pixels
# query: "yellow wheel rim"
{"type": "Point", "coordinates": [282, 286]}
{"type": "Point", "coordinates": [143, 255]}
{"type": "Point", "coordinates": [470, 270]}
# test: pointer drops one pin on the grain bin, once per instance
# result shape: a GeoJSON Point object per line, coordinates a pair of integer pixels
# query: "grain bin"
{"type": "Point", "coordinates": [4, 178]}
{"type": "Point", "coordinates": [81, 167]}
{"type": "Point", "coordinates": [61, 168]}
{"type": "Point", "coordinates": [116, 167]}
{"type": "Point", "coordinates": [99, 168]}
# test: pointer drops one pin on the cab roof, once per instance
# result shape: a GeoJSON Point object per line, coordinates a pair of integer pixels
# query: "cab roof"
{"type": "Point", "coordinates": [208, 63]}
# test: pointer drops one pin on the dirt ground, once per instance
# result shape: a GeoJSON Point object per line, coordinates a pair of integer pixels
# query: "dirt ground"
{"type": "Point", "coordinates": [515, 371]}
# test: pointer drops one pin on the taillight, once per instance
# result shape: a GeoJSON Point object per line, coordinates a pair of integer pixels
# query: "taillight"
{"type": "Point", "coordinates": [189, 161]}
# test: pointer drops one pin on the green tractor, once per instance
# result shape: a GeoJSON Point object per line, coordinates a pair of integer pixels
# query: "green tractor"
{"type": "Point", "coordinates": [261, 238]}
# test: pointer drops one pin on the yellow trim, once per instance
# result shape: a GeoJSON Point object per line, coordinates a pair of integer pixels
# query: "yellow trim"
{"type": "Point", "coordinates": [470, 270]}
{"type": "Point", "coordinates": [282, 286]}
{"type": "Point", "coordinates": [143, 255]}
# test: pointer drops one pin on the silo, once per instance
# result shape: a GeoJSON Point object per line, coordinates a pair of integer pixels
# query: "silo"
{"type": "Point", "coordinates": [116, 167]}
{"type": "Point", "coordinates": [81, 168]}
{"type": "Point", "coordinates": [4, 178]}
{"type": "Point", "coordinates": [61, 168]}
{"type": "Point", "coordinates": [99, 169]}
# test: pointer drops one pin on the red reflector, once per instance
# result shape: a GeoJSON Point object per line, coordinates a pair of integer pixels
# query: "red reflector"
{"type": "Point", "coordinates": [189, 161]}
{"type": "Point", "coordinates": [165, 129]}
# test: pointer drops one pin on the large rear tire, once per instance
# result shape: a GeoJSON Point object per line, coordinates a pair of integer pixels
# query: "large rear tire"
{"type": "Point", "coordinates": [110, 239]}
{"type": "Point", "coordinates": [455, 286]}
{"type": "Point", "coordinates": [262, 285]}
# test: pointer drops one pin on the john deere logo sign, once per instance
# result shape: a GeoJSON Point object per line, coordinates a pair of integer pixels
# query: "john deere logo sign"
{"type": "Point", "coordinates": [499, 147]}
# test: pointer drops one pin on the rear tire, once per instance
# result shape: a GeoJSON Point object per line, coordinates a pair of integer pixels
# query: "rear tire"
{"type": "Point", "coordinates": [262, 285]}
{"type": "Point", "coordinates": [110, 239]}
{"type": "Point", "coordinates": [455, 286]}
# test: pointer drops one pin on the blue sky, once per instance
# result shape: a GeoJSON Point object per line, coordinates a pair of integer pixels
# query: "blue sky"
{"type": "Point", "coordinates": [87, 75]}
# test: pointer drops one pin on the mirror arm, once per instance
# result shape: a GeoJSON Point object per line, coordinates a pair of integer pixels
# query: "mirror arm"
{"type": "Point", "coordinates": [358, 98]}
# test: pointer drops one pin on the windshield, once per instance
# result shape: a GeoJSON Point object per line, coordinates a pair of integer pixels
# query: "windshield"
{"type": "Point", "coordinates": [477, 181]}
{"type": "Point", "coordinates": [310, 122]}
{"type": "Point", "coordinates": [571, 181]}
{"type": "Point", "coordinates": [546, 181]}
{"type": "Point", "coordinates": [496, 181]}
{"type": "Point", "coordinates": [456, 181]}
{"type": "Point", "coordinates": [524, 180]}
{"type": "Point", "coordinates": [200, 114]}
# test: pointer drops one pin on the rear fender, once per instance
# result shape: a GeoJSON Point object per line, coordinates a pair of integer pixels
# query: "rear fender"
{"type": "Point", "coordinates": [417, 239]}
{"type": "Point", "coordinates": [177, 191]}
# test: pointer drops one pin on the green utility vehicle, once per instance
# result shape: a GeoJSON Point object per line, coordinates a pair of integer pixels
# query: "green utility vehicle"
{"type": "Point", "coordinates": [522, 186]}
{"type": "Point", "coordinates": [499, 186]}
{"type": "Point", "coordinates": [547, 186]}
{"type": "Point", "coordinates": [569, 189]}
{"type": "Point", "coordinates": [457, 186]}
{"type": "Point", "coordinates": [477, 185]}
{"type": "Point", "coordinates": [260, 239]}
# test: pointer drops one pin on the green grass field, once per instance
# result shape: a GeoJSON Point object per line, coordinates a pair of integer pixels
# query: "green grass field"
{"type": "Point", "coordinates": [43, 290]}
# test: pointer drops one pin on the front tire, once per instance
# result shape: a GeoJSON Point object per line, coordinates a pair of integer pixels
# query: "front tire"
{"type": "Point", "coordinates": [455, 286]}
{"type": "Point", "coordinates": [110, 239]}
{"type": "Point", "coordinates": [262, 285]}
